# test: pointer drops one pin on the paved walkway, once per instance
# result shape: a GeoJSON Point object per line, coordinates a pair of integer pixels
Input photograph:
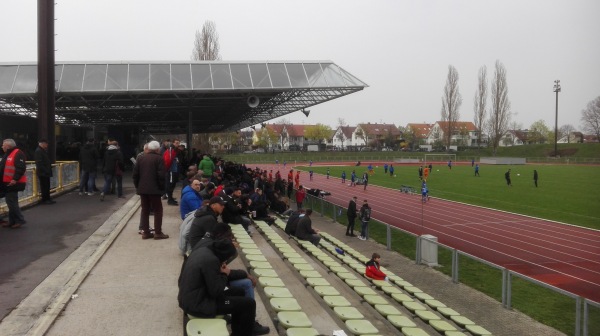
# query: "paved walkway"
{"type": "Point", "coordinates": [118, 284]}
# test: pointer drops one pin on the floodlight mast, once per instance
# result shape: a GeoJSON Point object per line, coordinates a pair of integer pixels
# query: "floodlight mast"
{"type": "Point", "coordinates": [557, 89]}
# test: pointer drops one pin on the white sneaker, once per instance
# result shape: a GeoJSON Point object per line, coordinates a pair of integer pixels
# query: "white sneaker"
{"type": "Point", "coordinates": [80, 193]}
{"type": "Point", "coordinates": [90, 194]}
{"type": "Point", "coordinates": [362, 238]}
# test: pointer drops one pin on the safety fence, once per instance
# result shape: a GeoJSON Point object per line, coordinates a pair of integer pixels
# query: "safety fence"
{"type": "Point", "coordinates": [511, 287]}
{"type": "Point", "coordinates": [65, 176]}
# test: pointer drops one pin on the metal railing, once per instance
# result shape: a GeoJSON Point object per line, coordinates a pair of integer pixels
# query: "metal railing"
{"type": "Point", "coordinates": [582, 318]}
{"type": "Point", "coordinates": [65, 176]}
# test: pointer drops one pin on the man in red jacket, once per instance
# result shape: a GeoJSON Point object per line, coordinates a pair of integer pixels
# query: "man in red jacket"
{"type": "Point", "coordinates": [373, 270]}
{"type": "Point", "coordinates": [300, 195]}
{"type": "Point", "coordinates": [14, 179]}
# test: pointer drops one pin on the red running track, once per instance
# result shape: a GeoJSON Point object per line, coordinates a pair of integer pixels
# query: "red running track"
{"type": "Point", "coordinates": [562, 255]}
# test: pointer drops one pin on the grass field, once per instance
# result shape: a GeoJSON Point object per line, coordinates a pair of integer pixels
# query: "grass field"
{"type": "Point", "coordinates": [566, 193]}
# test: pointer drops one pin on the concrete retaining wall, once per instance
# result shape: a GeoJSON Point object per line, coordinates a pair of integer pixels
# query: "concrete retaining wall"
{"type": "Point", "coordinates": [503, 160]}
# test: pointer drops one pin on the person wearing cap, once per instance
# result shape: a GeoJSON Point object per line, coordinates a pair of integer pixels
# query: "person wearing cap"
{"type": "Point", "coordinates": [14, 179]}
{"type": "Point", "coordinates": [204, 291]}
{"type": "Point", "coordinates": [351, 217]}
{"type": "Point", "coordinates": [43, 170]}
{"type": "Point", "coordinates": [149, 182]}
{"type": "Point", "coordinates": [205, 220]}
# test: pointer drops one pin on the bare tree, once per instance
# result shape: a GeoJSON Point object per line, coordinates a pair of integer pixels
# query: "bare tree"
{"type": "Point", "coordinates": [206, 44]}
{"type": "Point", "coordinates": [451, 101]}
{"type": "Point", "coordinates": [340, 135]}
{"type": "Point", "coordinates": [480, 103]}
{"type": "Point", "coordinates": [566, 130]}
{"type": "Point", "coordinates": [591, 117]}
{"type": "Point", "coordinates": [500, 113]}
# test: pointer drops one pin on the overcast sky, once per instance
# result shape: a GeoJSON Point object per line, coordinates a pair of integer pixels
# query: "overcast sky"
{"type": "Point", "coordinates": [401, 49]}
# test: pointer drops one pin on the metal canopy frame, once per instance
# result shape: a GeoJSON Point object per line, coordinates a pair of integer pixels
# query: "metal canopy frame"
{"type": "Point", "coordinates": [164, 97]}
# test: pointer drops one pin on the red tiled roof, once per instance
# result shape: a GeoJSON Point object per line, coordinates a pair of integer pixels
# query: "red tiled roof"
{"type": "Point", "coordinates": [420, 130]}
{"type": "Point", "coordinates": [459, 125]}
{"type": "Point", "coordinates": [379, 129]}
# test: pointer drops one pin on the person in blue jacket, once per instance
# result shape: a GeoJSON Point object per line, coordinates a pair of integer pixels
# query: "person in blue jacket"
{"type": "Point", "coordinates": [190, 199]}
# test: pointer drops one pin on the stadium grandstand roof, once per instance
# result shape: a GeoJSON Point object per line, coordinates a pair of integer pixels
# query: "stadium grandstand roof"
{"type": "Point", "coordinates": [163, 97]}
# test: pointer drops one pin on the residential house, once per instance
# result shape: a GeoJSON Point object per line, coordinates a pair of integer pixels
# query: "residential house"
{"type": "Point", "coordinates": [521, 137]}
{"type": "Point", "coordinates": [420, 133]}
{"type": "Point", "coordinates": [342, 138]}
{"type": "Point", "coordinates": [376, 135]}
{"type": "Point", "coordinates": [573, 137]}
{"type": "Point", "coordinates": [464, 134]}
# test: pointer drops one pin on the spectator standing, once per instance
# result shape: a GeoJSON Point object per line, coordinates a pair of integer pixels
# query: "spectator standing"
{"type": "Point", "coordinates": [207, 166]}
{"type": "Point", "coordinates": [373, 269]}
{"type": "Point", "coordinates": [507, 178]}
{"type": "Point", "coordinates": [112, 169]}
{"type": "Point", "coordinates": [351, 217]}
{"type": "Point", "coordinates": [304, 231]}
{"type": "Point", "coordinates": [43, 169]}
{"type": "Point", "coordinates": [297, 179]}
{"type": "Point", "coordinates": [170, 161]}
{"type": "Point", "coordinates": [535, 177]}
{"type": "Point", "coordinates": [149, 181]}
{"type": "Point", "coordinates": [14, 179]}
{"type": "Point", "coordinates": [300, 195]}
{"type": "Point", "coordinates": [365, 217]}
{"type": "Point", "coordinates": [88, 160]}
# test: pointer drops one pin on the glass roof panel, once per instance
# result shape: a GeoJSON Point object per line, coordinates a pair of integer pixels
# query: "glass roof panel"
{"type": "Point", "coordinates": [260, 75]}
{"type": "Point", "coordinates": [181, 76]}
{"type": "Point", "coordinates": [26, 80]}
{"type": "Point", "coordinates": [316, 78]}
{"type": "Point", "coordinates": [201, 76]}
{"type": "Point", "coordinates": [241, 76]}
{"type": "Point", "coordinates": [160, 76]}
{"type": "Point", "coordinates": [72, 78]}
{"type": "Point", "coordinates": [139, 77]}
{"type": "Point", "coordinates": [116, 78]}
{"type": "Point", "coordinates": [297, 75]}
{"type": "Point", "coordinates": [221, 76]}
{"type": "Point", "coordinates": [7, 77]}
{"type": "Point", "coordinates": [95, 77]}
{"type": "Point", "coordinates": [58, 69]}
{"type": "Point", "coordinates": [332, 75]}
{"type": "Point", "coordinates": [279, 75]}
{"type": "Point", "coordinates": [350, 80]}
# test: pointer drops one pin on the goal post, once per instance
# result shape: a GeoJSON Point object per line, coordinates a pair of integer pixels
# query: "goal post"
{"type": "Point", "coordinates": [439, 158]}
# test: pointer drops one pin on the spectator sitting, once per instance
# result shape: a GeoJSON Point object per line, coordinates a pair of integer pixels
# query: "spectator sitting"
{"type": "Point", "coordinates": [304, 231]}
{"type": "Point", "coordinates": [292, 222]}
{"type": "Point", "coordinates": [190, 198]}
{"type": "Point", "coordinates": [373, 270]}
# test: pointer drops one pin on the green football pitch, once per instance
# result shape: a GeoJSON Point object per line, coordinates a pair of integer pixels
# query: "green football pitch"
{"type": "Point", "coordinates": [565, 193]}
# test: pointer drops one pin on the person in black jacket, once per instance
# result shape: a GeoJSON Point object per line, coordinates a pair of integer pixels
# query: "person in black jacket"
{"type": "Point", "coordinates": [304, 231]}
{"type": "Point", "coordinates": [43, 170]}
{"type": "Point", "coordinates": [292, 222]}
{"type": "Point", "coordinates": [351, 217]}
{"type": "Point", "coordinates": [203, 290]}
{"type": "Point", "coordinates": [205, 220]}
{"type": "Point", "coordinates": [12, 170]}
{"type": "Point", "coordinates": [113, 169]}
{"type": "Point", "coordinates": [88, 162]}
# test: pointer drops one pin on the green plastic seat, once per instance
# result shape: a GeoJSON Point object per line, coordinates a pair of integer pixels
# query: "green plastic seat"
{"type": "Point", "coordinates": [336, 301]}
{"type": "Point", "coordinates": [338, 269]}
{"type": "Point", "coordinates": [297, 260]}
{"type": "Point", "coordinates": [413, 306]}
{"type": "Point", "coordinates": [265, 272]}
{"type": "Point", "coordinates": [285, 304]}
{"type": "Point", "coordinates": [455, 333]}
{"type": "Point", "coordinates": [414, 331]}
{"type": "Point", "coordinates": [355, 283]}
{"type": "Point", "coordinates": [346, 276]}
{"type": "Point", "coordinates": [301, 332]}
{"type": "Point", "coordinates": [290, 255]}
{"type": "Point", "coordinates": [442, 326]}
{"type": "Point", "coordinates": [270, 282]}
{"type": "Point", "coordinates": [412, 289]}
{"type": "Point", "coordinates": [294, 319]}
{"type": "Point", "coordinates": [386, 309]}
{"type": "Point", "coordinates": [255, 257]}
{"type": "Point", "coordinates": [424, 296]}
{"type": "Point", "coordinates": [435, 304]}
{"type": "Point", "coordinates": [394, 278]}
{"type": "Point", "coordinates": [461, 320]}
{"type": "Point", "coordinates": [245, 240]}
{"type": "Point", "coordinates": [360, 268]}
{"type": "Point", "coordinates": [403, 283]}
{"type": "Point", "coordinates": [251, 251]}
{"type": "Point", "coordinates": [260, 264]}
{"type": "Point", "coordinates": [402, 298]}
{"type": "Point", "coordinates": [317, 282]}
{"type": "Point", "coordinates": [389, 290]}
{"type": "Point", "coordinates": [247, 245]}
{"type": "Point", "coordinates": [331, 263]}
{"type": "Point", "coordinates": [277, 292]}
{"type": "Point", "coordinates": [426, 315]}
{"type": "Point", "coordinates": [310, 274]}
{"type": "Point", "coordinates": [477, 330]}
{"type": "Point", "coordinates": [208, 327]}
{"type": "Point", "coordinates": [326, 290]}
{"type": "Point", "coordinates": [447, 312]}
{"type": "Point", "coordinates": [401, 321]}
{"type": "Point", "coordinates": [303, 267]}
{"type": "Point", "coordinates": [374, 299]}
{"type": "Point", "coordinates": [362, 291]}
{"type": "Point", "coordinates": [286, 249]}
{"type": "Point", "coordinates": [348, 313]}
{"type": "Point", "coordinates": [361, 327]}
{"type": "Point", "coordinates": [380, 283]}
